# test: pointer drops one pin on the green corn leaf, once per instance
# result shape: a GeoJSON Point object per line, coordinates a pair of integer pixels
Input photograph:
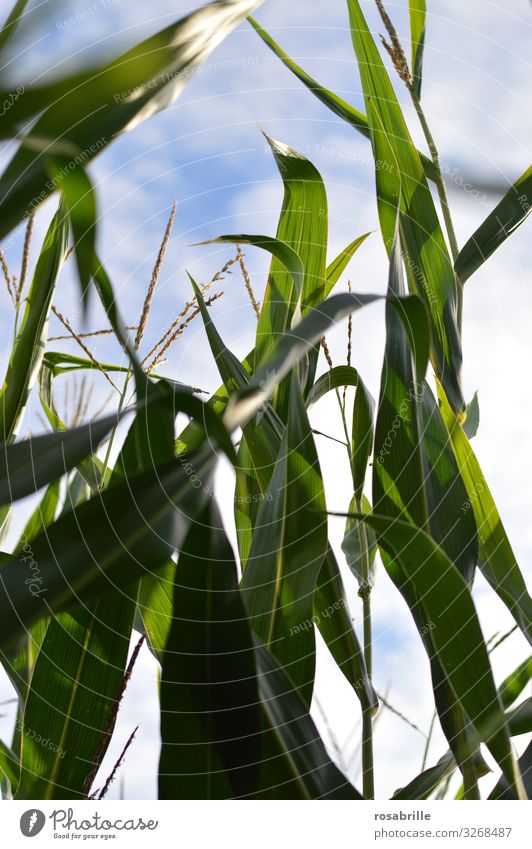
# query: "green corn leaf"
{"type": "Point", "coordinates": [279, 249]}
{"type": "Point", "coordinates": [80, 200]}
{"type": "Point", "coordinates": [514, 684]}
{"type": "Point", "coordinates": [472, 420]}
{"type": "Point", "coordinates": [13, 22]}
{"type": "Point", "coordinates": [507, 216]}
{"type": "Point", "coordinates": [296, 343]}
{"type": "Point", "coordinates": [343, 642]}
{"type": "Point", "coordinates": [362, 429]}
{"type": "Point", "coordinates": [401, 184]}
{"type": "Point", "coordinates": [437, 594]}
{"type": "Point", "coordinates": [496, 561]}
{"type": "Point", "coordinates": [59, 362]}
{"type": "Point", "coordinates": [114, 537]}
{"type": "Point", "coordinates": [192, 436]}
{"type": "Point", "coordinates": [76, 710]}
{"type": "Point", "coordinates": [210, 720]}
{"type": "Point", "coordinates": [337, 267]}
{"type": "Point", "coordinates": [156, 591]}
{"type": "Point", "coordinates": [261, 441]}
{"type": "Point", "coordinates": [298, 752]}
{"type": "Point", "coordinates": [9, 766]}
{"type": "Point", "coordinates": [352, 545]}
{"type": "Point", "coordinates": [28, 465]}
{"type": "Point", "coordinates": [287, 551]}
{"type": "Point", "coordinates": [418, 13]}
{"type": "Point", "coordinates": [149, 443]}
{"type": "Point", "coordinates": [20, 667]}
{"type": "Point", "coordinates": [76, 680]}
{"type": "Point", "coordinates": [423, 784]}
{"type": "Point", "coordinates": [415, 475]}
{"type": "Point", "coordinates": [332, 616]}
{"type": "Point", "coordinates": [86, 112]}
{"type": "Point", "coordinates": [248, 498]}
{"type": "Point", "coordinates": [28, 349]}
{"type": "Point", "coordinates": [337, 630]}
{"type": "Point", "coordinates": [415, 478]}
{"type": "Point", "coordinates": [333, 102]}
{"type": "Point", "coordinates": [504, 790]}
{"type": "Point", "coordinates": [519, 719]}
{"type": "Point", "coordinates": [303, 224]}
{"type": "Point", "coordinates": [300, 247]}
{"type": "Point", "coordinates": [340, 107]}
{"type": "Point", "coordinates": [155, 605]}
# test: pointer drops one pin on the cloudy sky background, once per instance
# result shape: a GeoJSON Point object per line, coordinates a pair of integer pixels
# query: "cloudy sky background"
{"type": "Point", "coordinates": [207, 153]}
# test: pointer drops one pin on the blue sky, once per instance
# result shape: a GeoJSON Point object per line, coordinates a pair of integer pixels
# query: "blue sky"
{"type": "Point", "coordinates": [208, 153]}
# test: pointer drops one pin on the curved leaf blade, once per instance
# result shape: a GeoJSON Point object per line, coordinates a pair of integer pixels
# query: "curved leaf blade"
{"type": "Point", "coordinates": [507, 216]}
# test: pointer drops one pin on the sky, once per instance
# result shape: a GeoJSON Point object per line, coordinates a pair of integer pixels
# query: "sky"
{"type": "Point", "coordinates": [207, 153]}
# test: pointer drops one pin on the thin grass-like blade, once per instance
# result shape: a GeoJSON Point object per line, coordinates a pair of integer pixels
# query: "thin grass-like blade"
{"type": "Point", "coordinates": [333, 102]}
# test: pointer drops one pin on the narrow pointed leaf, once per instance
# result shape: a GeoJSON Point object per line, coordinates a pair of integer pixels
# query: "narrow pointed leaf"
{"type": "Point", "coordinates": [472, 421]}
{"type": "Point", "coordinates": [352, 545]}
{"type": "Point", "coordinates": [423, 784]}
{"type": "Point", "coordinates": [401, 184]}
{"type": "Point", "coordinates": [13, 22]}
{"type": "Point", "coordinates": [131, 528]}
{"type": "Point", "coordinates": [333, 102]}
{"type": "Point", "coordinates": [299, 742]}
{"type": "Point", "coordinates": [497, 561]}
{"type": "Point", "coordinates": [287, 552]}
{"type": "Point", "coordinates": [418, 13]}
{"type": "Point", "coordinates": [436, 593]}
{"type": "Point", "coordinates": [507, 216]}
{"type": "Point", "coordinates": [93, 108]}
{"type": "Point", "coordinates": [9, 765]}
{"type": "Point", "coordinates": [28, 350]}
{"type": "Point", "coordinates": [28, 465]}
{"type": "Point", "coordinates": [210, 721]}
{"type": "Point", "coordinates": [514, 684]}
{"type": "Point", "coordinates": [337, 267]}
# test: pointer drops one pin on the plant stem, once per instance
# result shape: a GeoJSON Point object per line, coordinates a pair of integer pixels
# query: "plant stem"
{"type": "Point", "coordinates": [368, 787]}
{"type": "Point", "coordinates": [368, 780]}
{"type": "Point", "coordinates": [469, 773]}
{"type": "Point", "coordinates": [440, 185]}
{"type": "Point", "coordinates": [429, 738]}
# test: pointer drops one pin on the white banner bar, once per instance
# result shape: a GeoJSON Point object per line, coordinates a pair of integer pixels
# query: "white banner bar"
{"type": "Point", "coordinates": [267, 825]}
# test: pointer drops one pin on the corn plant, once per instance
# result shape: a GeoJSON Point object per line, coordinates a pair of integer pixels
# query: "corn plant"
{"type": "Point", "coordinates": [130, 541]}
